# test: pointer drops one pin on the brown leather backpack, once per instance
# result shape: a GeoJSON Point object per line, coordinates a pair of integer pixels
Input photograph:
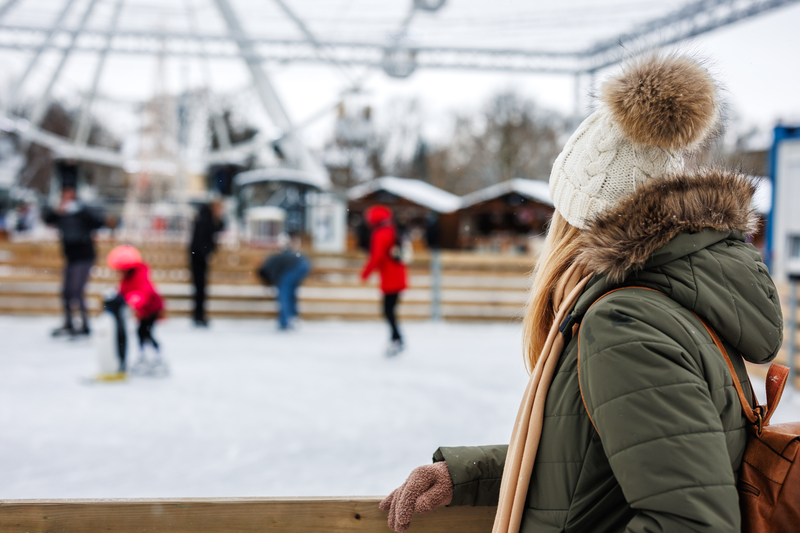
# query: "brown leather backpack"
{"type": "Point", "coordinates": [769, 478]}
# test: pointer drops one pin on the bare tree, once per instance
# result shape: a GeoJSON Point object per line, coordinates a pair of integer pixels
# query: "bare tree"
{"type": "Point", "coordinates": [511, 138]}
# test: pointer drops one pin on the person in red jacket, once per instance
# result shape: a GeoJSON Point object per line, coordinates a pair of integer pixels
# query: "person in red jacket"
{"type": "Point", "coordinates": [384, 257]}
{"type": "Point", "coordinates": [139, 293]}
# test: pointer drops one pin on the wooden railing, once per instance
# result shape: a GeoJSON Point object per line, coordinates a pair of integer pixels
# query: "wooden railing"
{"type": "Point", "coordinates": [223, 515]}
{"type": "Point", "coordinates": [473, 287]}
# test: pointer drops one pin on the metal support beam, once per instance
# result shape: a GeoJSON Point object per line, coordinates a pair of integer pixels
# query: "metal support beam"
{"type": "Point", "coordinates": [84, 120]}
{"type": "Point", "coordinates": [47, 43]}
{"type": "Point", "coordinates": [688, 21]}
{"type": "Point", "coordinates": [685, 23]}
{"type": "Point", "coordinates": [312, 39]}
{"type": "Point", "coordinates": [5, 7]}
{"type": "Point", "coordinates": [217, 120]}
{"type": "Point", "coordinates": [693, 19]}
{"type": "Point", "coordinates": [358, 54]}
{"type": "Point", "coordinates": [44, 100]}
{"type": "Point", "coordinates": [368, 54]}
{"type": "Point", "coordinates": [290, 144]}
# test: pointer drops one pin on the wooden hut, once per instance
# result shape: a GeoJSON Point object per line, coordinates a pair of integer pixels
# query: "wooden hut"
{"type": "Point", "coordinates": [505, 217]}
{"type": "Point", "coordinates": [425, 212]}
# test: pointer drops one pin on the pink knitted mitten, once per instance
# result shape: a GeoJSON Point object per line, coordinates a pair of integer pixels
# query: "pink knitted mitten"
{"type": "Point", "coordinates": [426, 488]}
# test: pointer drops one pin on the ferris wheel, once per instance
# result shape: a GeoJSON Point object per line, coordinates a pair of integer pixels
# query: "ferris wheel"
{"type": "Point", "coordinates": [81, 51]}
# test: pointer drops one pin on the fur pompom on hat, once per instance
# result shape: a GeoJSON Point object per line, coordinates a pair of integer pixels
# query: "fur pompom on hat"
{"type": "Point", "coordinates": [651, 114]}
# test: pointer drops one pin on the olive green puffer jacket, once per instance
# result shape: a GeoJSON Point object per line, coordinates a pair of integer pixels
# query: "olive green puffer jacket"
{"type": "Point", "coordinates": [670, 433]}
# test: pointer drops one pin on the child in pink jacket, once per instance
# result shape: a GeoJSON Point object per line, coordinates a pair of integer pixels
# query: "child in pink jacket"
{"type": "Point", "coordinates": [138, 291]}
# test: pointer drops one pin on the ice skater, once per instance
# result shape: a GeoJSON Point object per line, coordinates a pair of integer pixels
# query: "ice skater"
{"type": "Point", "coordinates": [286, 270]}
{"type": "Point", "coordinates": [75, 222]}
{"type": "Point", "coordinates": [207, 224]}
{"type": "Point", "coordinates": [140, 294]}
{"type": "Point", "coordinates": [384, 257]}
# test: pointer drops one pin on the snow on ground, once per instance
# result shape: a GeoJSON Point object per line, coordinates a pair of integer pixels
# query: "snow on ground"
{"type": "Point", "coordinates": [250, 411]}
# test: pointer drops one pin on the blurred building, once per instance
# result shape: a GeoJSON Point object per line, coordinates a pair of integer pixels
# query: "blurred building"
{"type": "Point", "coordinates": [417, 206]}
{"type": "Point", "coordinates": [505, 217]}
{"type": "Point", "coordinates": [349, 157]}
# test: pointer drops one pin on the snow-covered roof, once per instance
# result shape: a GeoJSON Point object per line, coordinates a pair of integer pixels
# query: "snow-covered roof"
{"type": "Point", "coordinates": [416, 191]}
{"type": "Point", "coordinates": [532, 189]}
{"type": "Point", "coordinates": [280, 174]}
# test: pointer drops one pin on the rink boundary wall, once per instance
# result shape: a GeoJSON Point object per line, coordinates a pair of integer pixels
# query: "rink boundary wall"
{"type": "Point", "coordinates": [473, 286]}
{"type": "Point", "coordinates": [199, 515]}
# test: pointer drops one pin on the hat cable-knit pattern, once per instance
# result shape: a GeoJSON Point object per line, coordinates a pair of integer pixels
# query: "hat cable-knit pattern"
{"type": "Point", "coordinates": [599, 166]}
{"type": "Point", "coordinates": [601, 163]}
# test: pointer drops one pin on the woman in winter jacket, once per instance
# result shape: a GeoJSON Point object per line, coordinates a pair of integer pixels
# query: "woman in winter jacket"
{"type": "Point", "coordinates": [641, 429]}
{"type": "Point", "coordinates": [383, 257]}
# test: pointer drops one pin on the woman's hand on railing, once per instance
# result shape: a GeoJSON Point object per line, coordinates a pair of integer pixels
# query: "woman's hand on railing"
{"type": "Point", "coordinates": [426, 488]}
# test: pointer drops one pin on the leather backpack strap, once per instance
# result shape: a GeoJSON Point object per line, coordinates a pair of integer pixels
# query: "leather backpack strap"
{"type": "Point", "coordinates": [777, 375]}
{"type": "Point", "coordinates": [754, 416]}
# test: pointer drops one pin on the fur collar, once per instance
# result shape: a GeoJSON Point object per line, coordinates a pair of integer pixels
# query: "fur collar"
{"type": "Point", "coordinates": [622, 240]}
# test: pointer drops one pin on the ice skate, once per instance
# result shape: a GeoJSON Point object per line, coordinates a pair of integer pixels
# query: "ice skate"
{"type": "Point", "coordinates": [84, 331]}
{"type": "Point", "coordinates": [394, 348]}
{"type": "Point", "coordinates": [153, 367]}
{"type": "Point", "coordinates": [64, 331]}
{"type": "Point", "coordinates": [140, 367]}
{"type": "Point", "coordinates": [158, 367]}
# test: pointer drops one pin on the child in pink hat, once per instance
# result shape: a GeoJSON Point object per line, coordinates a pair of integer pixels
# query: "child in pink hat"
{"type": "Point", "coordinates": [139, 293]}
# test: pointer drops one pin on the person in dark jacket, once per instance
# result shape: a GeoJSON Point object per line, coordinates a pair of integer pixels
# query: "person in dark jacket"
{"type": "Point", "coordinates": [384, 258]}
{"type": "Point", "coordinates": [286, 270]}
{"type": "Point", "coordinates": [631, 422]}
{"type": "Point", "coordinates": [75, 222]}
{"type": "Point", "coordinates": [206, 225]}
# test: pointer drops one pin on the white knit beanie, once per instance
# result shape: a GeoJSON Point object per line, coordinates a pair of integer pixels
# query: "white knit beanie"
{"type": "Point", "coordinates": [655, 111]}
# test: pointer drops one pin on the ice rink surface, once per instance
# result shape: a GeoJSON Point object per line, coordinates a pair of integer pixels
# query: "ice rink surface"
{"type": "Point", "coordinates": [251, 411]}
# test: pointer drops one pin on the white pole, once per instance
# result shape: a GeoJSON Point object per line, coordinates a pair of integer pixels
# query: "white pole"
{"type": "Point", "coordinates": [436, 285]}
{"type": "Point", "coordinates": [790, 360]}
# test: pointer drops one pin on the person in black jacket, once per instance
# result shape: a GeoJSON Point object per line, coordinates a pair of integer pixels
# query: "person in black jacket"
{"type": "Point", "coordinates": [76, 223]}
{"type": "Point", "coordinates": [207, 223]}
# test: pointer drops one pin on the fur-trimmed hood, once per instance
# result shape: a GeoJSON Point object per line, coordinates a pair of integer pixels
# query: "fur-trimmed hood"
{"type": "Point", "coordinates": [685, 236]}
{"type": "Point", "coordinates": [622, 240]}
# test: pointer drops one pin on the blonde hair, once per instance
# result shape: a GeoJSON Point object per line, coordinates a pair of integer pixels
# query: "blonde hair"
{"type": "Point", "coordinates": [561, 247]}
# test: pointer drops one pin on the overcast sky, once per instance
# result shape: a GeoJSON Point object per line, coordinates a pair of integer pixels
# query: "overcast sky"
{"type": "Point", "coordinates": [757, 61]}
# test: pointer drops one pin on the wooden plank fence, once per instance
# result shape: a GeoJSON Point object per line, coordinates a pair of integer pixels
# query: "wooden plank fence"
{"type": "Point", "coordinates": [218, 515]}
{"type": "Point", "coordinates": [474, 287]}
